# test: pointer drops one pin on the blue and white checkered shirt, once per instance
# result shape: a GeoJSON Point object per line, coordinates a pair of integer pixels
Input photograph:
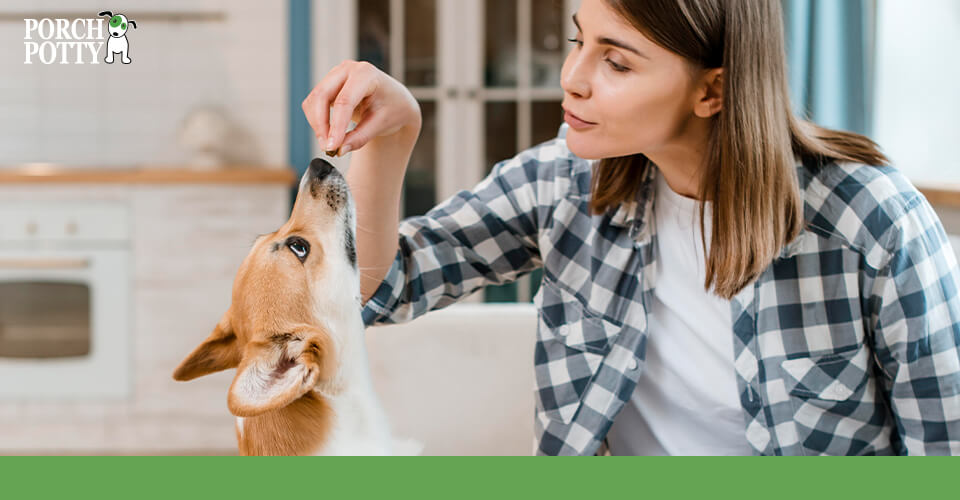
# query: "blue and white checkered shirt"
{"type": "Point", "coordinates": [847, 343]}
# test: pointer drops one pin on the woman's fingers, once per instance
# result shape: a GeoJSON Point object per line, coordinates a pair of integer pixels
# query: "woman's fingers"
{"type": "Point", "coordinates": [316, 107]}
{"type": "Point", "coordinates": [358, 86]}
{"type": "Point", "coordinates": [368, 126]}
{"type": "Point", "coordinates": [360, 92]}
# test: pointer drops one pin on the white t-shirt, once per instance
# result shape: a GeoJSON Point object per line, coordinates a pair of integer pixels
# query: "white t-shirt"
{"type": "Point", "coordinates": [686, 401]}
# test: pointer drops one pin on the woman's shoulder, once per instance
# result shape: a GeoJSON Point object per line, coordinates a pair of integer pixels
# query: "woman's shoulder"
{"type": "Point", "coordinates": [873, 208]}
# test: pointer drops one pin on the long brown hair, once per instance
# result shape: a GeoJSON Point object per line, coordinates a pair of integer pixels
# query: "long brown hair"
{"type": "Point", "coordinates": [750, 172]}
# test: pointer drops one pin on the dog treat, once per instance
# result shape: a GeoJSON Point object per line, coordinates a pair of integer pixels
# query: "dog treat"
{"type": "Point", "coordinates": [333, 153]}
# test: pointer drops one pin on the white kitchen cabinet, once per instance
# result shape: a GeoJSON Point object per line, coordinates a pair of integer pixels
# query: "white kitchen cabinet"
{"type": "Point", "coordinates": [184, 235]}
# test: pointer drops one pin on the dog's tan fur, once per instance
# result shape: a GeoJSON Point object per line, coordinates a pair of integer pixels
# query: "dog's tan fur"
{"type": "Point", "coordinates": [287, 361]}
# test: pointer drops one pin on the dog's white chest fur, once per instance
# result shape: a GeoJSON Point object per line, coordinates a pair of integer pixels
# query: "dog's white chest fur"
{"type": "Point", "coordinates": [359, 427]}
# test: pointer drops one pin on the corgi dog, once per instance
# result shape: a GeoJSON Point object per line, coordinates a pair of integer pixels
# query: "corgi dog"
{"type": "Point", "coordinates": [295, 335]}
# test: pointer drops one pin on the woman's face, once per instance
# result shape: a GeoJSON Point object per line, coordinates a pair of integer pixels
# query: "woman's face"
{"type": "Point", "coordinates": [640, 102]}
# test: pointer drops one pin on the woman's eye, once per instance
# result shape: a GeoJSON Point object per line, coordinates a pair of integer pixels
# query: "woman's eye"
{"type": "Point", "coordinates": [617, 67]}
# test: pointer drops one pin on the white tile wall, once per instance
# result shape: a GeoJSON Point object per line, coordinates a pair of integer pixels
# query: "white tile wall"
{"type": "Point", "coordinates": [123, 115]}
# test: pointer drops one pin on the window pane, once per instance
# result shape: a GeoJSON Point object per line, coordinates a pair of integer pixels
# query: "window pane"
{"type": "Point", "coordinates": [535, 278]}
{"type": "Point", "coordinates": [917, 103]}
{"type": "Point", "coordinates": [500, 135]}
{"type": "Point", "coordinates": [500, 55]}
{"type": "Point", "coordinates": [501, 144]}
{"type": "Point", "coordinates": [547, 118]}
{"type": "Point", "coordinates": [502, 293]}
{"type": "Point", "coordinates": [547, 43]}
{"type": "Point", "coordinates": [373, 33]}
{"type": "Point", "coordinates": [419, 193]}
{"type": "Point", "coordinates": [420, 31]}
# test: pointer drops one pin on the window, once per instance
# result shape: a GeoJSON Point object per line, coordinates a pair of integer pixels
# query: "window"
{"type": "Point", "coordinates": [917, 106]}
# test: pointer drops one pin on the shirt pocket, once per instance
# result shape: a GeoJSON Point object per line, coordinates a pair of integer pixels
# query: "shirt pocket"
{"type": "Point", "coordinates": [568, 320]}
{"type": "Point", "coordinates": [831, 377]}
{"type": "Point", "coordinates": [571, 345]}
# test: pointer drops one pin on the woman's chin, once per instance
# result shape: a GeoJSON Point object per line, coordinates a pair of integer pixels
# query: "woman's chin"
{"type": "Point", "coordinates": [581, 148]}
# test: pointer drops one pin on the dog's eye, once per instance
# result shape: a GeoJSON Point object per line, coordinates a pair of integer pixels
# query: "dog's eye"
{"type": "Point", "coordinates": [299, 247]}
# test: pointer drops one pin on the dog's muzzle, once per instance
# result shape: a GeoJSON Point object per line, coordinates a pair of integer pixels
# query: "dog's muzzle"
{"type": "Point", "coordinates": [320, 169]}
{"type": "Point", "coordinates": [327, 183]}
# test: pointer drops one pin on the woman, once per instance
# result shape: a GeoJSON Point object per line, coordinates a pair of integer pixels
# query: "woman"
{"type": "Point", "coordinates": [726, 279]}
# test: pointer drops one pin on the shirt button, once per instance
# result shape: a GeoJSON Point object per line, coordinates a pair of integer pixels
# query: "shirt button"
{"type": "Point", "coordinates": [563, 331]}
{"type": "Point", "coordinates": [632, 365]}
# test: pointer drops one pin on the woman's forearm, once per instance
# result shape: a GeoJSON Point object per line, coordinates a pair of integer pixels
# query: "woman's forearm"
{"type": "Point", "coordinates": [375, 177]}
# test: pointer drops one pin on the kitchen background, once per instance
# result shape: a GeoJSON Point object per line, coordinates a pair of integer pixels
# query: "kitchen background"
{"type": "Point", "coordinates": [129, 194]}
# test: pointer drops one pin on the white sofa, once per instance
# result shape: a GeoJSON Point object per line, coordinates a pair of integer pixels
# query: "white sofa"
{"type": "Point", "coordinates": [459, 380]}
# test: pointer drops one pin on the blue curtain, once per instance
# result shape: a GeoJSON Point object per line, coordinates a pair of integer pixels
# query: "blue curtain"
{"type": "Point", "coordinates": [300, 135]}
{"type": "Point", "coordinates": [829, 51]}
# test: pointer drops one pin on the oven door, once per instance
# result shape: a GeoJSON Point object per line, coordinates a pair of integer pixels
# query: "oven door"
{"type": "Point", "coordinates": [64, 324]}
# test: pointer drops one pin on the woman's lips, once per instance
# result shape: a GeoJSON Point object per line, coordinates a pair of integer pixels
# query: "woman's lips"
{"type": "Point", "coordinates": [576, 123]}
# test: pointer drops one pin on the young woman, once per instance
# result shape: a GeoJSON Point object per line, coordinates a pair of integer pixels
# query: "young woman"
{"type": "Point", "coordinates": [720, 276]}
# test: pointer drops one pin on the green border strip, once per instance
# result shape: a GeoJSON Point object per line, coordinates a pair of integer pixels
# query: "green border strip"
{"type": "Point", "coordinates": [477, 477]}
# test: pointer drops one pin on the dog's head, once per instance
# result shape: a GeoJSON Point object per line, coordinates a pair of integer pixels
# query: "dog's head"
{"type": "Point", "coordinates": [118, 23]}
{"type": "Point", "coordinates": [295, 297]}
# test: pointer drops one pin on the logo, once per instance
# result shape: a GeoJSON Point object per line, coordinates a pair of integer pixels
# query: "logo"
{"type": "Point", "coordinates": [77, 41]}
{"type": "Point", "coordinates": [117, 43]}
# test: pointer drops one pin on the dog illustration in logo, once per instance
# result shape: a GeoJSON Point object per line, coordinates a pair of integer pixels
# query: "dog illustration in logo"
{"type": "Point", "coordinates": [117, 43]}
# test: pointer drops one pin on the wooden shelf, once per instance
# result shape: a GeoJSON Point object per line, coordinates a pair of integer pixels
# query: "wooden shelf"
{"type": "Point", "coordinates": [44, 174]}
{"type": "Point", "coordinates": [942, 196]}
{"type": "Point", "coordinates": [149, 16]}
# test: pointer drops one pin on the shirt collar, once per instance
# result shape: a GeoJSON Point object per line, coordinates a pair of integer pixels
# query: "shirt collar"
{"type": "Point", "coordinates": [629, 214]}
{"type": "Point", "coordinates": [634, 213]}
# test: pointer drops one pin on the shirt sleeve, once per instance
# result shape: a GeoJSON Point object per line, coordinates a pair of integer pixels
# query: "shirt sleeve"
{"type": "Point", "coordinates": [479, 237]}
{"type": "Point", "coordinates": [917, 333]}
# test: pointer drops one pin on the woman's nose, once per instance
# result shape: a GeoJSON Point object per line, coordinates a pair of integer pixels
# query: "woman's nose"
{"type": "Point", "coordinates": [573, 77]}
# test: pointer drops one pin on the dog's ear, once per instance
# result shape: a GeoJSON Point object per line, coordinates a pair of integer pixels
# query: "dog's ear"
{"type": "Point", "coordinates": [219, 352]}
{"type": "Point", "coordinates": [276, 372]}
{"type": "Point", "coordinates": [132, 23]}
{"type": "Point", "coordinates": [106, 13]}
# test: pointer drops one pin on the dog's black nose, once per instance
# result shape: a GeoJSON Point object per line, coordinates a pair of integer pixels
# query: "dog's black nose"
{"type": "Point", "coordinates": [320, 169]}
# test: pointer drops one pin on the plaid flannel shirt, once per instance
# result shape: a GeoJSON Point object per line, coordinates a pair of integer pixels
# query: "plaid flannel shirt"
{"type": "Point", "coordinates": [846, 344]}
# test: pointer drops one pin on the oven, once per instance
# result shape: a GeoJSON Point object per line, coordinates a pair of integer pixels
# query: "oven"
{"type": "Point", "coordinates": [65, 305]}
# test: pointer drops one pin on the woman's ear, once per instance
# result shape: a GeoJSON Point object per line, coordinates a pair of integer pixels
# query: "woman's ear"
{"type": "Point", "coordinates": [709, 93]}
{"type": "Point", "coordinates": [218, 352]}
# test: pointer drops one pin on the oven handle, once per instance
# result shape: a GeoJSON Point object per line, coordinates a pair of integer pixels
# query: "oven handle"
{"type": "Point", "coordinates": [43, 264]}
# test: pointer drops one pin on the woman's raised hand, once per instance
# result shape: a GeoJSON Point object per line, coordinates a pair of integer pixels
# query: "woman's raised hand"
{"type": "Point", "coordinates": [360, 92]}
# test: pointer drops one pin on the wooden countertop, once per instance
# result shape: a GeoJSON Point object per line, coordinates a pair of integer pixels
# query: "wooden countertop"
{"type": "Point", "coordinates": [943, 196]}
{"type": "Point", "coordinates": [55, 174]}
{"type": "Point", "coordinates": [946, 195]}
